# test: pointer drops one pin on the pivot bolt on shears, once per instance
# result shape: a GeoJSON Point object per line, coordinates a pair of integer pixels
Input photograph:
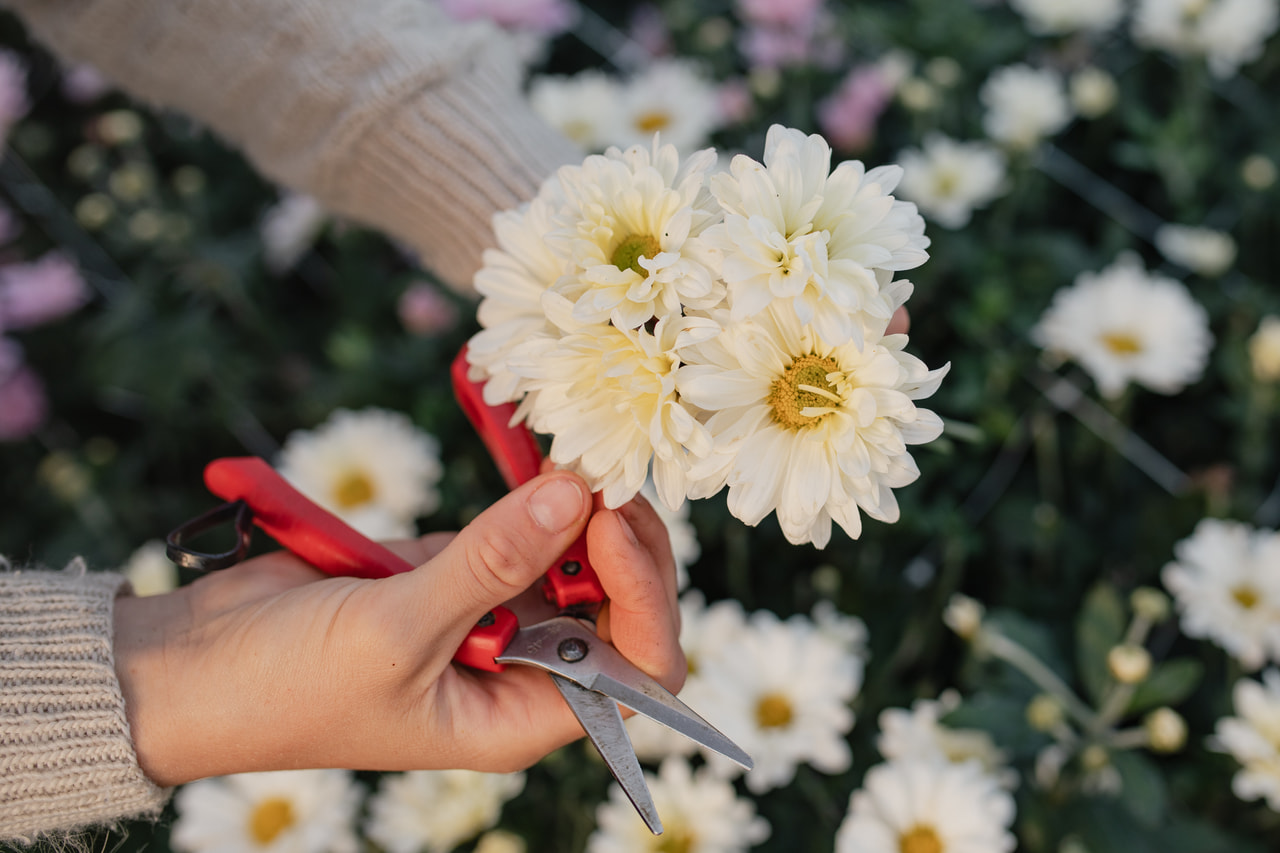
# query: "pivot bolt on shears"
{"type": "Point", "coordinates": [592, 676]}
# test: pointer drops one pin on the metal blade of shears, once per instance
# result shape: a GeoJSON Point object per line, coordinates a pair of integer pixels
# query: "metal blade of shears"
{"type": "Point", "coordinates": [602, 722]}
{"type": "Point", "coordinates": [569, 647]}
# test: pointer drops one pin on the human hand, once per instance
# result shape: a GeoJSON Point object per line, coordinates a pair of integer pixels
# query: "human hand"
{"type": "Point", "coordinates": [272, 665]}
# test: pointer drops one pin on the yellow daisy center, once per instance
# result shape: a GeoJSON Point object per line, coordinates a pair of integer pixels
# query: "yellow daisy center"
{"type": "Point", "coordinates": [653, 121]}
{"type": "Point", "coordinates": [803, 385]}
{"type": "Point", "coordinates": [676, 839]}
{"type": "Point", "coordinates": [945, 183]}
{"type": "Point", "coordinates": [352, 490]}
{"type": "Point", "coordinates": [631, 249]}
{"type": "Point", "coordinates": [773, 711]}
{"type": "Point", "coordinates": [1122, 343]}
{"type": "Point", "coordinates": [270, 818]}
{"type": "Point", "coordinates": [920, 839]}
{"type": "Point", "coordinates": [1246, 596]}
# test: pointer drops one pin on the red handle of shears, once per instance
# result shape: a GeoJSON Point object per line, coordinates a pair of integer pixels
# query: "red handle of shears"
{"type": "Point", "coordinates": [332, 546]}
{"type": "Point", "coordinates": [572, 580]}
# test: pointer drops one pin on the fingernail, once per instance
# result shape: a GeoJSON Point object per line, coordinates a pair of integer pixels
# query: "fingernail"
{"type": "Point", "coordinates": [628, 529]}
{"type": "Point", "coordinates": [557, 504]}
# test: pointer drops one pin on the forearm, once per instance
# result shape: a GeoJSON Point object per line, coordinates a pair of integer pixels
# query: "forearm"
{"type": "Point", "coordinates": [384, 110]}
{"type": "Point", "coordinates": [66, 759]}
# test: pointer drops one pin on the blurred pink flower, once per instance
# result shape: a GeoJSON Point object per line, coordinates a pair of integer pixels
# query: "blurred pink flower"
{"type": "Point", "coordinates": [84, 84]}
{"type": "Point", "coordinates": [543, 16]}
{"type": "Point", "coordinates": [10, 225]}
{"type": "Point", "coordinates": [848, 117]}
{"type": "Point", "coordinates": [13, 91]}
{"type": "Point", "coordinates": [799, 15]}
{"type": "Point", "coordinates": [10, 357]}
{"type": "Point", "coordinates": [23, 404]}
{"type": "Point", "coordinates": [648, 28]}
{"type": "Point", "coordinates": [35, 293]}
{"type": "Point", "coordinates": [802, 43]}
{"type": "Point", "coordinates": [735, 99]}
{"type": "Point", "coordinates": [424, 310]}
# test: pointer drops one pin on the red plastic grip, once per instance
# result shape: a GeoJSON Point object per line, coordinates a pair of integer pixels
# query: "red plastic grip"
{"type": "Point", "coordinates": [334, 547]}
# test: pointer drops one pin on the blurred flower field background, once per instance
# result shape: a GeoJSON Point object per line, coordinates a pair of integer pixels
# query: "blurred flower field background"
{"type": "Point", "coordinates": [1068, 642]}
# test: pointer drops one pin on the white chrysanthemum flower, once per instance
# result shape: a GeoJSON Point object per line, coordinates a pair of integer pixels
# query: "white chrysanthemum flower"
{"type": "Point", "coordinates": [1253, 738]}
{"type": "Point", "coordinates": [630, 227]}
{"type": "Point", "coordinates": [500, 841]}
{"type": "Point", "coordinates": [1058, 17]}
{"type": "Point", "coordinates": [373, 469]}
{"type": "Point", "coordinates": [919, 734]}
{"type": "Point", "coordinates": [1264, 350]}
{"type": "Point", "coordinates": [673, 98]}
{"type": "Point", "coordinates": [289, 229]}
{"type": "Point", "coordinates": [1093, 91]}
{"type": "Point", "coordinates": [1227, 33]}
{"type": "Point", "coordinates": [1204, 250]}
{"type": "Point", "coordinates": [1024, 105]}
{"type": "Point", "coordinates": [685, 548]}
{"type": "Point", "coordinates": [948, 179]}
{"type": "Point", "coordinates": [914, 806]}
{"type": "Point", "coordinates": [149, 569]}
{"type": "Point", "coordinates": [810, 431]}
{"type": "Point", "coordinates": [585, 107]}
{"type": "Point", "coordinates": [823, 242]}
{"type": "Point", "coordinates": [708, 635]}
{"type": "Point", "coordinates": [437, 810]}
{"type": "Point", "coordinates": [293, 811]}
{"type": "Point", "coordinates": [700, 814]}
{"type": "Point", "coordinates": [1227, 589]}
{"type": "Point", "coordinates": [794, 684]}
{"type": "Point", "coordinates": [1124, 325]}
{"type": "Point", "coordinates": [608, 397]}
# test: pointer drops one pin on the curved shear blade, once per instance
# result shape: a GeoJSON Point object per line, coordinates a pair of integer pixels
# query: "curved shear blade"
{"type": "Point", "coordinates": [600, 719]}
{"type": "Point", "coordinates": [600, 667]}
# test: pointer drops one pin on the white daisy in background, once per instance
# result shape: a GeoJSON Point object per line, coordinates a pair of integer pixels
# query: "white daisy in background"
{"type": "Point", "coordinates": [1125, 325]}
{"type": "Point", "coordinates": [585, 107]}
{"type": "Point", "coordinates": [824, 243]}
{"type": "Point", "coordinates": [1024, 105]}
{"type": "Point", "coordinates": [708, 636]}
{"type": "Point", "coordinates": [1204, 250]}
{"type": "Point", "coordinates": [1227, 589]}
{"type": "Point", "coordinates": [1264, 350]}
{"type": "Point", "coordinates": [289, 229]}
{"type": "Point", "coordinates": [1059, 17]}
{"type": "Point", "coordinates": [149, 569]}
{"type": "Point", "coordinates": [685, 548]}
{"type": "Point", "coordinates": [372, 468]}
{"type": "Point", "coordinates": [1227, 33]}
{"type": "Point", "coordinates": [948, 179]}
{"type": "Point", "coordinates": [700, 814]}
{"type": "Point", "coordinates": [500, 841]}
{"type": "Point", "coordinates": [630, 227]}
{"type": "Point", "coordinates": [292, 811]}
{"type": "Point", "coordinates": [437, 810]}
{"type": "Point", "coordinates": [916, 806]}
{"type": "Point", "coordinates": [1093, 92]}
{"type": "Point", "coordinates": [673, 98]}
{"type": "Point", "coordinates": [919, 734]}
{"type": "Point", "coordinates": [1253, 738]}
{"type": "Point", "coordinates": [810, 431]}
{"type": "Point", "coordinates": [793, 684]}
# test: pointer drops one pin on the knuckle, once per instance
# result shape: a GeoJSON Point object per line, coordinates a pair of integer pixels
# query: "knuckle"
{"type": "Point", "coordinates": [499, 564]}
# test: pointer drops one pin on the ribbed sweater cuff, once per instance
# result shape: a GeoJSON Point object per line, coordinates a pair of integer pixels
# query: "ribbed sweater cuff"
{"type": "Point", "coordinates": [66, 758]}
{"type": "Point", "coordinates": [437, 170]}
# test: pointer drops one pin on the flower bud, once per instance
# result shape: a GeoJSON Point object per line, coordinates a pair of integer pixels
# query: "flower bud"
{"type": "Point", "coordinates": [964, 616]}
{"type": "Point", "coordinates": [1093, 92]}
{"type": "Point", "coordinates": [1150, 604]}
{"type": "Point", "coordinates": [1095, 757]}
{"type": "Point", "coordinates": [1129, 663]}
{"type": "Point", "coordinates": [1166, 730]}
{"type": "Point", "coordinates": [1258, 172]}
{"type": "Point", "coordinates": [119, 126]}
{"type": "Point", "coordinates": [1044, 713]}
{"type": "Point", "coordinates": [1264, 350]}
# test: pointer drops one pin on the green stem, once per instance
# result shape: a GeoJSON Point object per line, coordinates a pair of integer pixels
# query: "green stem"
{"type": "Point", "coordinates": [1014, 654]}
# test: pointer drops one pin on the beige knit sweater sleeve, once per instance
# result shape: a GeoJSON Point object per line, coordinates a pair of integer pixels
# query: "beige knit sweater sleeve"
{"type": "Point", "coordinates": [385, 111]}
{"type": "Point", "coordinates": [66, 760]}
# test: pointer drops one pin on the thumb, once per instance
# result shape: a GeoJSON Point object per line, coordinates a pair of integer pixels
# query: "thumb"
{"type": "Point", "coordinates": [508, 546]}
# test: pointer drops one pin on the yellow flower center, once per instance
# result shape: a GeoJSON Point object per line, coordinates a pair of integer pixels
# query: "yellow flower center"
{"type": "Point", "coordinates": [773, 711]}
{"type": "Point", "coordinates": [1246, 596]}
{"type": "Point", "coordinates": [652, 122]}
{"type": "Point", "coordinates": [270, 818]}
{"type": "Point", "coordinates": [353, 490]}
{"type": "Point", "coordinates": [1122, 343]}
{"type": "Point", "coordinates": [676, 839]}
{"type": "Point", "coordinates": [630, 250]}
{"type": "Point", "coordinates": [803, 385]}
{"type": "Point", "coordinates": [920, 839]}
{"type": "Point", "coordinates": [945, 184]}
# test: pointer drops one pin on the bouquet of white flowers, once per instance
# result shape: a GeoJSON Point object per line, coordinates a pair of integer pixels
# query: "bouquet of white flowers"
{"type": "Point", "coordinates": [722, 328]}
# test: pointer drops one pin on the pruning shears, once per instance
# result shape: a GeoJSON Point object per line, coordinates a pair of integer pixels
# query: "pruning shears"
{"type": "Point", "coordinates": [592, 676]}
